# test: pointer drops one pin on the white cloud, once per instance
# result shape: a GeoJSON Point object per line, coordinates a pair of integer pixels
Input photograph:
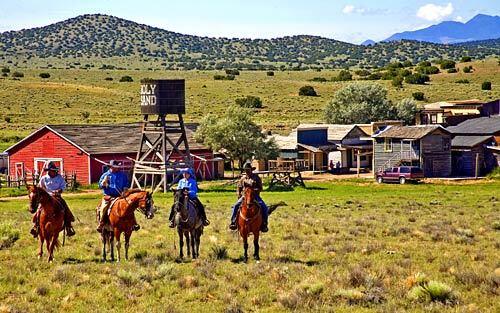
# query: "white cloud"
{"type": "Point", "coordinates": [434, 12]}
{"type": "Point", "coordinates": [459, 19]}
{"type": "Point", "coordinates": [348, 9]}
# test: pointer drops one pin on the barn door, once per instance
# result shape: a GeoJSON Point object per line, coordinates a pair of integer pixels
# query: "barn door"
{"type": "Point", "coordinates": [429, 168]}
{"type": "Point", "coordinates": [19, 170]}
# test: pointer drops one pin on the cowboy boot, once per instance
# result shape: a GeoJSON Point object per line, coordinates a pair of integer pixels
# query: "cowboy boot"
{"type": "Point", "coordinates": [171, 218]}
{"type": "Point", "coordinates": [70, 231]}
{"type": "Point", "coordinates": [233, 225]}
{"type": "Point", "coordinates": [34, 230]}
{"type": "Point", "coordinates": [263, 227]}
{"type": "Point", "coordinates": [136, 227]}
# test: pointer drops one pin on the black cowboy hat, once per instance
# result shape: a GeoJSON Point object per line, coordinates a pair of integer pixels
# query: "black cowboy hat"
{"type": "Point", "coordinates": [248, 166]}
{"type": "Point", "coordinates": [51, 167]}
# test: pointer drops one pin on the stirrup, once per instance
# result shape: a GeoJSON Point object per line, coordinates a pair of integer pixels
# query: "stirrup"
{"type": "Point", "coordinates": [136, 227]}
{"type": "Point", "coordinates": [70, 231]}
{"type": "Point", "coordinates": [172, 224]}
{"type": "Point", "coordinates": [264, 228]}
{"type": "Point", "coordinates": [233, 226]}
{"type": "Point", "coordinates": [206, 222]}
{"type": "Point", "coordinates": [34, 231]}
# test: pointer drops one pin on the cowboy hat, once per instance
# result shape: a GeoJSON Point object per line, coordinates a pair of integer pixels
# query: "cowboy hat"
{"type": "Point", "coordinates": [248, 166]}
{"type": "Point", "coordinates": [115, 163]}
{"type": "Point", "coordinates": [51, 167]}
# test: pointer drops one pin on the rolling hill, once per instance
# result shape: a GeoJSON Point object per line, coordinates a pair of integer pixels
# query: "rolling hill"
{"type": "Point", "coordinates": [480, 27]}
{"type": "Point", "coordinates": [96, 40]}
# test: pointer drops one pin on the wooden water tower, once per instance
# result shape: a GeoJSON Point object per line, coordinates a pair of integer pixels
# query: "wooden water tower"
{"type": "Point", "coordinates": [164, 147]}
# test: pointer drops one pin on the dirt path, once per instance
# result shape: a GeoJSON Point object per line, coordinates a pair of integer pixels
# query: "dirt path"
{"type": "Point", "coordinates": [66, 195]}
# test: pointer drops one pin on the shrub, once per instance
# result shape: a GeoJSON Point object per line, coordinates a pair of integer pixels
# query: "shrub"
{"type": "Point", "coordinates": [318, 79]}
{"type": "Point", "coordinates": [270, 73]}
{"type": "Point", "coordinates": [307, 91]}
{"type": "Point", "coordinates": [429, 70]}
{"type": "Point", "coordinates": [424, 64]}
{"type": "Point", "coordinates": [466, 59]}
{"type": "Point", "coordinates": [5, 75]}
{"type": "Point", "coordinates": [343, 75]}
{"type": "Point", "coordinates": [5, 70]}
{"type": "Point", "coordinates": [467, 69]}
{"type": "Point", "coordinates": [8, 236]}
{"type": "Point", "coordinates": [222, 77]}
{"type": "Point", "coordinates": [374, 76]}
{"type": "Point", "coordinates": [7, 119]}
{"type": "Point", "coordinates": [486, 85]}
{"type": "Point", "coordinates": [44, 75]}
{"type": "Point", "coordinates": [362, 73]}
{"type": "Point", "coordinates": [452, 70]}
{"type": "Point", "coordinates": [397, 82]}
{"type": "Point", "coordinates": [126, 79]}
{"type": "Point", "coordinates": [426, 291]}
{"type": "Point", "coordinates": [462, 81]}
{"type": "Point", "coordinates": [446, 64]}
{"type": "Point", "coordinates": [85, 114]}
{"type": "Point", "coordinates": [218, 252]}
{"type": "Point", "coordinates": [417, 79]}
{"type": "Point", "coordinates": [407, 63]}
{"type": "Point", "coordinates": [232, 72]}
{"type": "Point", "coordinates": [249, 102]}
{"type": "Point", "coordinates": [108, 78]}
{"type": "Point", "coordinates": [418, 95]}
{"type": "Point", "coordinates": [17, 74]}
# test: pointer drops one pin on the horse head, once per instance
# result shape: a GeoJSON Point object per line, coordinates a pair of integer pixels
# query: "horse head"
{"type": "Point", "coordinates": [249, 195]}
{"type": "Point", "coordinates": [180, 202]}
{"type": "Point", "coordinates": [146, 204]}
{"type": "Point", "coordinates": [35, 195]}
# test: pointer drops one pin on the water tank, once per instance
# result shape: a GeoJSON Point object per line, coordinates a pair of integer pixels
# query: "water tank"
{"type": "Point", "coordinates": [163, 96]}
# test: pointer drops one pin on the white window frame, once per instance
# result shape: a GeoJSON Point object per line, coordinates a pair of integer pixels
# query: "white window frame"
{"type": "Point", "coordinates": [46, 162]}
{"type": "Point", "coordinates": [388, 145]}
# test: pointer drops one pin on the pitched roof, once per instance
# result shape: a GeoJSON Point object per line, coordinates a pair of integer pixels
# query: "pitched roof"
{"type": "Point", "coordinates": [468, 141]}
{"type": "Point", "coordinates": [336, 132]}
{"type": "Point", "coordinates": [285, 142]}
{"type": "Point", "coordinates": [408, 132]}
{"type": "Point", "coordinates": [481, 125]}
{"type": "Point", "coordinates": [452, 104]}
{"type": "Point", "coordinates": [110, 138]}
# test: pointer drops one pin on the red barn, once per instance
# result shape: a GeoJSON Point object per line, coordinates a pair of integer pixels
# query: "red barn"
{"type": "Point", "coordinates": [86, 149]}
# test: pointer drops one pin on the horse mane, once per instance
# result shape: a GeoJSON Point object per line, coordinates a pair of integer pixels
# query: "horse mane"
{"type": "Point", "coordinates": [132, 191]}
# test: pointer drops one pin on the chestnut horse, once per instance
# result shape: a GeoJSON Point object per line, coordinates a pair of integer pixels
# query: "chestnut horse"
{"type": "Point", "coordinates": [51, 219]}
{"type": "Point", "coordinates": [249, 221]}
{"type": "Point", "coordinates": [122, 219]}
{"type": "Point", "coordinates": [188, 223]}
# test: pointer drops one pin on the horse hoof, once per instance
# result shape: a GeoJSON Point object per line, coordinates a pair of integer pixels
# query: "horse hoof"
{"type": "Point", "coordinates": [256, 258]}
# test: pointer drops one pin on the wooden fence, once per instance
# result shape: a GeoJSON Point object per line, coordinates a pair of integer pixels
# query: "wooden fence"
{"type": "Point", "coordinates": [34, 179]}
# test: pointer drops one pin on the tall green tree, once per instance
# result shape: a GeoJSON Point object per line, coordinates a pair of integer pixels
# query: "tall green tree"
{"type": "Point", "coordinates": [359, 103]}
{"type": "Point", "coordinates": [406, 110]}
{"type": "Point", "coordinates": [237, 134]}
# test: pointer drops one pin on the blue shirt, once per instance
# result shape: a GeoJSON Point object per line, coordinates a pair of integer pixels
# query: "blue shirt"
{"type": "Point", "coordinates": [117, 182]}
{"type": "Point", "coordinates": [191, 185]}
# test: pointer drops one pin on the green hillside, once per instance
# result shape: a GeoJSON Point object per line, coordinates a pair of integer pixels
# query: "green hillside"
{"type": "Point", "coordinates": [97, 40]}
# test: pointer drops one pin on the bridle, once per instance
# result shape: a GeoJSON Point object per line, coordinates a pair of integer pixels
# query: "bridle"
{"type": "Point", "coordinates": [178, 202]}
{"type": "Point", "coordinates": [148, 205]}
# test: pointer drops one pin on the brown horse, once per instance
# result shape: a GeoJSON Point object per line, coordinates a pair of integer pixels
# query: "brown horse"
{"type": "Point", "coordinates": [122, 219]}
{"type": "Point", "coordinates": [51, 219]}
{"type": "Point", "coordinates": [188, 223]}
{"type": "Point", "coordinates": [249, 221]}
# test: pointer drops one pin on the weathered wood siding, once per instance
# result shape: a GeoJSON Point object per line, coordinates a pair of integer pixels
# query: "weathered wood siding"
{"type": "Point", "coordinates": [436, 154]}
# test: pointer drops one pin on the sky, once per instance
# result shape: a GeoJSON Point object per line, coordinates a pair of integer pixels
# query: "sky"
{"type": "Point", "coordinates": [352, 21]}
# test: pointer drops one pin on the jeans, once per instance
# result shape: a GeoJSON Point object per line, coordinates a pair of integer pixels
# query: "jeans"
{"type": "Point", "coordinates": [263, 207]}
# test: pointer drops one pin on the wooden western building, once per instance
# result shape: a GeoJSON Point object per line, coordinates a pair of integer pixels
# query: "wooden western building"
{"type": "Point", "coordinates": [86, 149]}
{"type": "Point", "coordinates": [473, 146]}
{"type": "Point", "coordinates": [428, 147]}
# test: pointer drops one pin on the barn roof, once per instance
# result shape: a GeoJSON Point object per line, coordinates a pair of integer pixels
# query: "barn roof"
{"type": "Point", "coordinates": [109, 138]}
{"type": "Point", "coordinates": [408, 132]}
{"type": "Point", "coordinates": [468, 141]}
{"type": "Point", "coordinates": [336, 132]}
{"type": "Point", "coordinates": [480, 125]}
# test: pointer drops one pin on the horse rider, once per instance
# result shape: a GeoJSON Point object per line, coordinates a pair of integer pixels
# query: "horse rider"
{"type": "Point", "coordinates": [53, 183]}
{"type": "Point", "coordinates": [113, 183]}
{"type": "Point", "coordinates": [249, 180]}
{"type": "Point", "coordinates": [188, 181]}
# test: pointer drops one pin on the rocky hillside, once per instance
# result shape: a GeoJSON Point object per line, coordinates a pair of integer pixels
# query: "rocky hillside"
{"type": "Point", "coordinates": [109, 40]}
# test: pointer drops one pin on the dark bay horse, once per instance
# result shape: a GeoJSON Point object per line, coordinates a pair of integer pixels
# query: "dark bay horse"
{"type": "Point", "coordinates": [122, 219]}
{"type": "Point", "coordinates": [51, 219]}
{"type": "Point", "coordinates": [188, 223]}
{"type": "Point", "coordinates": [250, 221]}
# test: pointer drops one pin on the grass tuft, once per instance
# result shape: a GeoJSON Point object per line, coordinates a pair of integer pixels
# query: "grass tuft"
{"type": "Point", "coordinates": [218, 252]}
{"type": "Point", "coordinates": [8, 236]}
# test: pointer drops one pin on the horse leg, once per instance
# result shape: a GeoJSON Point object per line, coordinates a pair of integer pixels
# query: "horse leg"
{"type": "Point", "coordinates": [117, 243]}
{"type": "Point", "coordinates": [127, 243]}
{"type": "Point", "coordinates": [111, 244]}
{"type": "Point", "coordinates": [198, 241]}
{"type": "Point", "coordinates": [188, 244]}
{"type": "Point", "coordinates": [53, 244]}
{"type": "Point", "coordinates": [193, 242]}
{"type": "Point", "coordinates": [256, 246]}
{"type": "Point", "coordinates": [40, 245]}
{"type": "Point", "coordinates": [181, 243]}
{"type": "Point", "coordinates": [48, 239]}
{"type": "Point", "coordinates": [103, 240]}
{"type": "Point", "coordinates": [245, 247]}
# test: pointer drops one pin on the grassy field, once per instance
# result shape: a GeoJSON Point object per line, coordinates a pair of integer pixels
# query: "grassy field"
{"type": "Point", "coordinates": [84, 96]}
{"type": "Point", "coordinates": [348, 246]}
